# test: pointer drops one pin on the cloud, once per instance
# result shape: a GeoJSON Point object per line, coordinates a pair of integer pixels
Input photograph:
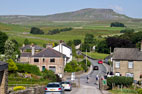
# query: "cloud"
{"type": "Point", "coordinates": [117, 8]}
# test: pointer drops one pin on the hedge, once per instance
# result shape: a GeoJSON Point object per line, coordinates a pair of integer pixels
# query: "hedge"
{"type": "Point", "coordinates": [28, 68]}
{"type": "Point", "coordinates": [19, 88]}
{"type": "Point", "coordinates": [119, 80]}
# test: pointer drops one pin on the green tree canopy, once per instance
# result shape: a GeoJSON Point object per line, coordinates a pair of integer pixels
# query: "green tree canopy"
{"type": "Point", "coordinates": [3, 38]}
{"type": "Point", "coordinates": [77, 42]}
{"type": "Point", "coordinates": [11, 66]}
{"type": "Point", "coordinates": [35, 30]}
{"type": "Point", "coordinates": [9, 49]}
{"type": "Point", "coordinates": [117, 24]}
{"type": "Point", "coordinates": [26, 42]}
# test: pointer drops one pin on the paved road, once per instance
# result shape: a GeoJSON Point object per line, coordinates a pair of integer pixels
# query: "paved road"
{"type": "Point", "coordinates": [91, 87]}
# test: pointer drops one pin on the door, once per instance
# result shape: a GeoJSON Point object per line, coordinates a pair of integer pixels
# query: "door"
{"type": "Point", "coordinates": [43, 68]}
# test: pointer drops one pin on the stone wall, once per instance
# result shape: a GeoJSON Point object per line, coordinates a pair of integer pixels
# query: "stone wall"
{"type": "Point", "coordinates": [34, 90]}
{"type": "Point", "coordinates": [4, 82]}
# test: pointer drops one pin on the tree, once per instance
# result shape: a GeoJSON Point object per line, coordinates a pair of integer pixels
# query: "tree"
{"type": "Point", "coordinates": [9, 49]}
{"type": "Point", "coordinates": [102, 47]}
{"type": "Point", "coordinates": [11, 66]}
{"type": "Point", "coordinates": [26, 42]}
{"type": "Point", "coordinates": [35, 30]}
{"type": "Point", "coordinates": [117, 24]}
{"type": "Point", "coordinates": [85, 47]}
{"type": "Point", "coordinates": [89, 39]}
{"type": "Point", "coordinates": [3, 38]}
{"type": "Point", "coordinates": [127, 31]}
{"type": "Point", "coordinates": [114, 42]}
{"type": "Point", "coordinates": [69, 43]}
{"type": "Point", "coordinates": [77, 42]}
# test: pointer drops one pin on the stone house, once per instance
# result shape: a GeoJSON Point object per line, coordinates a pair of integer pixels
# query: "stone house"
{"type": "Point", "coordinates": [127, 62]}
{"type": "Point", "coordinates": [64, 49]}
{"type": "Point", "coordinates": [47, 58]}
{"type": "Point", "coordinates": [3, 78]}
{"type": "Point", "coordinates": [26, 52]}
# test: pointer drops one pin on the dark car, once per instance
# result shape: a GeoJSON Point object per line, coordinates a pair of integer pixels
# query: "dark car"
{"type": "Point", "coordinates": [95, 68]}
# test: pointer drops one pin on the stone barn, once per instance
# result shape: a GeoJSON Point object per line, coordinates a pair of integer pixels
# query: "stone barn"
{"type": "Point", "coordinates": [3, 77]}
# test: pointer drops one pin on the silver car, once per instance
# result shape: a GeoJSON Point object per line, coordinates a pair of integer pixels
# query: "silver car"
{"type": "Point", "coordinates": [67, 85]}
{"type": "Point", "coordinates": [54, 88]}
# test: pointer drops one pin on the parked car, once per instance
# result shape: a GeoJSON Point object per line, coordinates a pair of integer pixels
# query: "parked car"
{"type": "Point", "coordinates": [54, 88]}
{"type": "Point", "coordinates": [100, 62]}
{"type": "Point", "coordinates": [95, 68]}
{"type": "Point", "coordinates": [67, 85]}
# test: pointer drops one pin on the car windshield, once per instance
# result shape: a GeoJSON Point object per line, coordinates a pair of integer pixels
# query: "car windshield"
{"type": "Point", "coordinates": [53, 85]}
{"type": "Point", "coordinates": [65, 82]}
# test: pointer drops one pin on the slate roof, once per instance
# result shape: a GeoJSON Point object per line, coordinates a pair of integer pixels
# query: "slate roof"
{"type": "Point", "coordinates": [3, 65]}
{"type": "Point", "coordinates": [26, 54]}
{"type": "Point", "coordinates": [127, 54]}
{"type": "Point", "coordinates": [49, 52]}
{"type": "Point", "coordinates": [29, 47]}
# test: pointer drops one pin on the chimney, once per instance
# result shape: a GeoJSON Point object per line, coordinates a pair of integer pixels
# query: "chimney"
{"type": "Point", "coordinates": [49, 45]}
{"type": "Point", "coordinates": [33, 49]}
{"type": "Point", "coordinates": [141, 45]}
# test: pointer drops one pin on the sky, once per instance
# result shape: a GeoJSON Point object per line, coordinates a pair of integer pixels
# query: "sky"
{"type": "Point", "coordinates": [131, 8]}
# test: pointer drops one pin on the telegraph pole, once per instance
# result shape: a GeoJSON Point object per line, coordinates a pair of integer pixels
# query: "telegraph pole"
{"type": "Point", "coordinates": [86, 57]}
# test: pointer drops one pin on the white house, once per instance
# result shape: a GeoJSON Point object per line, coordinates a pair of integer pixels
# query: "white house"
{"type": "Point", "coordinates": [64, 49]}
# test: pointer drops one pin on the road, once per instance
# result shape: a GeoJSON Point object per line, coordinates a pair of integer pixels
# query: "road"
{"type": "Point", "coordinates": [91, 87]}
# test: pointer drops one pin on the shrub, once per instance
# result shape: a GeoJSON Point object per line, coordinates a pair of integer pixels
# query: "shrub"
{"type": "Point", "coordinates": [139, 91]}
{"type": "Point", "coordinates": [48, 74]}
{"type": "Point", "coordinates": [127, 31]}
{"type": "Point", "coordinates": [19, 88]}
{"type": "Point", "coordinates": [119, 80]}
{"type": "Point", "coordinates": [11, 66]}
{"type": "Point", "coordinates": [28, 68]}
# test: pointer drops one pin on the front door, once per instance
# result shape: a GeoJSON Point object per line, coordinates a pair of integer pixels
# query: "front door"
{"type": "Point", "coordinates": [43, 68]}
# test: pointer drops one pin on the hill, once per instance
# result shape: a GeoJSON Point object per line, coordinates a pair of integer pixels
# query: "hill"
{"type": "Point", "coordinates": [88, 14]}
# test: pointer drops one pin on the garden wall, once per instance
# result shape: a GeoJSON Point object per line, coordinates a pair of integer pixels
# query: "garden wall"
{"type": "Point", "coordinates": [33, 90]}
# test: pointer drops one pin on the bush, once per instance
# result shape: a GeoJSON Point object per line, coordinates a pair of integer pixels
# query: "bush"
{"type": "Point", "coordinates": [127, 31]}
{"type": "Point", "coordinates": [55, 31]}
{"type": "Point", "coordinates": [139, 91]}
{"type": "Point", "coordinates": [19, 88]}
{"type": "Point", "coordinates": [11, 66]}
{"type": "Point", "coordinates": [119, 80]}
{"type": "Point", "coordinates": [28, 68]}
{"type": "Point", "coordinates": [48, 74]}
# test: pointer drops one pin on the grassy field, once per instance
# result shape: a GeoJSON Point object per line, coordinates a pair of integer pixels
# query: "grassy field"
{"type": "Point", "coordinates": [20, 32]}
{"type": "Point", "coordinates": [96, 55]}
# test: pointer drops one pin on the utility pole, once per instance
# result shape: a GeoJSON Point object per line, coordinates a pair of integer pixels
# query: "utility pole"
{"type": "Point", "coordinates": [86, 57]}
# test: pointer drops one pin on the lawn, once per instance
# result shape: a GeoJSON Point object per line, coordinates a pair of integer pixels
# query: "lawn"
{"type": "Point", "coordinates": [96, 55]}
{"type": "Point", "coordinates": [123, 91]}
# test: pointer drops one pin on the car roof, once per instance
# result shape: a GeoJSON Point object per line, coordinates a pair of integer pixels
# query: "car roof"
{"type": "Point", "coordinates": [54, 83]}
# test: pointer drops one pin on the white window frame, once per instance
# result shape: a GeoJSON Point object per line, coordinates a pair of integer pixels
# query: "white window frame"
{"type": "Point", "coordinates": [130, 64]}
{"type": "Point", "coordinates": [129, 74]}
{"type": "Point", "coordinates": [117, 64]}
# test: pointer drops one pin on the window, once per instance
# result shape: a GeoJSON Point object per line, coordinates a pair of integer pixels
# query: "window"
{"type": "Point", "coordinates": [43, 60]}
{"type": "Point", "coordinates": [52, 68]}
{"type": "Point", "coordinates": [117, 64]}
{"type": "Point", "coordinates": [130, 64]}
{"type": "Point", "coordinates": [36, 60]}
{"type": "Point", "coordinates": [52, 60]}
{"type": "Point", "coordinates": [129, 75]}
{"type": "Point", "coordinates": [117, 74]}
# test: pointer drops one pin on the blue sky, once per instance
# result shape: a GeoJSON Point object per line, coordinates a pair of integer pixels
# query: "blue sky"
{"type": "Point", "coordinates": [132, 8]}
